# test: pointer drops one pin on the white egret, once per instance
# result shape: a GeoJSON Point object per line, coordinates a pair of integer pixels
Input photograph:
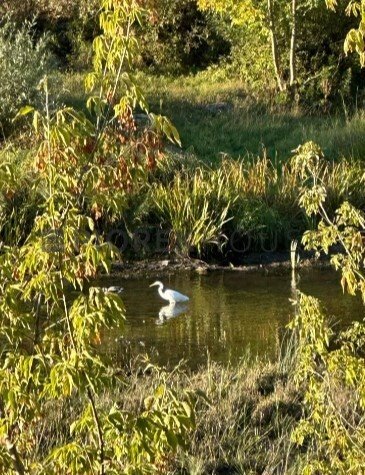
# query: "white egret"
{"type": "Point", "coordinates": [171, 295]}
{"type": "Point", "coordinates": [115, 289]}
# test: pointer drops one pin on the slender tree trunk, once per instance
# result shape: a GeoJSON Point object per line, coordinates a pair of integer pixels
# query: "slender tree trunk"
{"type": "Point", "coordinates": [274, 46]}
{"type": "Point", "coordinates": [293, 43]}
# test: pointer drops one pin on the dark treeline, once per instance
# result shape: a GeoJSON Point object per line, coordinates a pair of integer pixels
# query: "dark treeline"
{"type": "Point", "coordinates": [180, 38]}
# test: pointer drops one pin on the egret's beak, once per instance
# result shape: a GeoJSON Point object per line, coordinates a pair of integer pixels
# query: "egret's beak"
{"type": "Point", "coordinates": [157, 283]}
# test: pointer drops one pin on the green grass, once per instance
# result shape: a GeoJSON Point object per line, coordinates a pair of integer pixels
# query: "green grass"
{"type": "Point", "coordinates": [202, 206]}
{"type": "Point", "coordinates": [244, 416]}
{"type": "Point", "coordinates": [246, 125]}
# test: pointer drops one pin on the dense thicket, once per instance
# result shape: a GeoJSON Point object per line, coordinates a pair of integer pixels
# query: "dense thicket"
{"type": "Point", "coordinates": [294, 47]}
{"type": "Point", "coordinates": [71, 25]}
{"type": "Point", "coordinates": [326, 74]}
{"type": "Point", "coordinates": [181, 38]}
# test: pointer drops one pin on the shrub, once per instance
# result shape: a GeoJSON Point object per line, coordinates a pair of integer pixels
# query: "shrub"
{"type": "Point", "coordinates": [24, 62]}
{"type": "Point", "coordinates": [180, 38]}
{"type": "Point", "coordinates": [62, 363]}
{"type": "Point", "coordinates": [330, 371]}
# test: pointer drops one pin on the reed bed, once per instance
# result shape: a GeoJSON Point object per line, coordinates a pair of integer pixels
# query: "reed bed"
{"type": "Point", "coordinates": [203, 209]}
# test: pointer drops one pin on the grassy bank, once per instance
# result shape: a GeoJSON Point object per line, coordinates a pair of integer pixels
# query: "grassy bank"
{"type": "Point", "coordinates": [233, 187]}
{"type": "Point", "coordinates": [244, 417]}
{"type": "Point", "coordinates": [222, 212]}
{"type": "Point", "coordinates": [219, 212]}
{"type": "Point", "coordinates": [216, 115]}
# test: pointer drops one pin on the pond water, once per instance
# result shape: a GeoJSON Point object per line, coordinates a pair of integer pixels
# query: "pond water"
{"type": "Point", "coordinates": [228, 313]}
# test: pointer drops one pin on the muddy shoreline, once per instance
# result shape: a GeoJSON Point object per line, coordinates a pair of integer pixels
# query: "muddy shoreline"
{"type": "Point", "coordinates": [278, 262]}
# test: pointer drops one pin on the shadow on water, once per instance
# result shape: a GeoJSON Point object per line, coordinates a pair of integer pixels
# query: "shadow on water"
{"type": "Point", "coordinates": [228, 313]}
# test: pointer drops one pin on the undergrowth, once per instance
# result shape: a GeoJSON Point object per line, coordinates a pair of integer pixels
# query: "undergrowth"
{"type": "Point", "coordinates": [208, 212]}
{"type": "Point", "coordinates": [244, 415]}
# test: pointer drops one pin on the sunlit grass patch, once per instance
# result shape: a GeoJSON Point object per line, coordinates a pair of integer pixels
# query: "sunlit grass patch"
{"type": "Point", "coordinates": [216, 116]}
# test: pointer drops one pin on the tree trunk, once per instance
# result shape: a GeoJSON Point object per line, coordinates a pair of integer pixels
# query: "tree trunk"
{"type": "Point", "coordinates": [274, 46]}
{"type": "Point", "coordinates": [293, 43]}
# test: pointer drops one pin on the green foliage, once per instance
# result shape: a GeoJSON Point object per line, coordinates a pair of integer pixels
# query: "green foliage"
{"type": "Point", "coordinates": [354, 41]}
{"type": "Point", "coordinates": [244, 11]}
{"type": "Point", "coordinates": [327, 78]}
{"type": "Point", "coordinates": [52, 320]}
{"type": "Point", "coordinates": [238, 197]}
{"type": "Point", "coordinates": [163, 425]}
{"type": "Point", "coordinates": [70, 24]}
{"type": "Point", "coordinates": [196, 208]}
{"type": "Point", "coordinates": [200, 205]}
{"type": "Point", "coordinates": [23, 63]}
{"type": "Point", "coordinates": [250, 59]}
{"type": "Point", "coordinates": [247, 29]}
{"type": "Point", "coordinates": [21, 194]}
{"type": "Point", "coordinates": [322, 75]}
{"type": "Point", "coordinates": [334, 384]}
{"type": "Point", "coordinates": [51, 9]}
{"type": "Point", "coordinates": [179, 38]}
{"type": "Point", "coordinates": [343, 231]}
{"type": "Point", "coordinates": [332, 376]}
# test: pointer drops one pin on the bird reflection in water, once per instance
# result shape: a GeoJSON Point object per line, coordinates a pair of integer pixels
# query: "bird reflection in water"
{"type": "Point", "coordinates": [170, 311]}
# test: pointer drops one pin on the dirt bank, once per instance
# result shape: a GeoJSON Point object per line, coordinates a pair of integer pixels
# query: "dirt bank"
{"type": "Point", "coordinates": [268, 263]}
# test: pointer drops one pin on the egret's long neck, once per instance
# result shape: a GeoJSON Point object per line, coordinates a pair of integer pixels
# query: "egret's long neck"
{"type": "Point", "coordinates": [160, 290]}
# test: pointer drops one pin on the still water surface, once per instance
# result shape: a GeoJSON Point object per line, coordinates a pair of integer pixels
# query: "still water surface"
{"type": "Point", "coordinates": [228, 313]}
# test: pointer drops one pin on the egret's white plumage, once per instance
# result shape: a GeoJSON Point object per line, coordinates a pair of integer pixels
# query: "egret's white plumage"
{"type": "Point", "coordinates": [171, 295]}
